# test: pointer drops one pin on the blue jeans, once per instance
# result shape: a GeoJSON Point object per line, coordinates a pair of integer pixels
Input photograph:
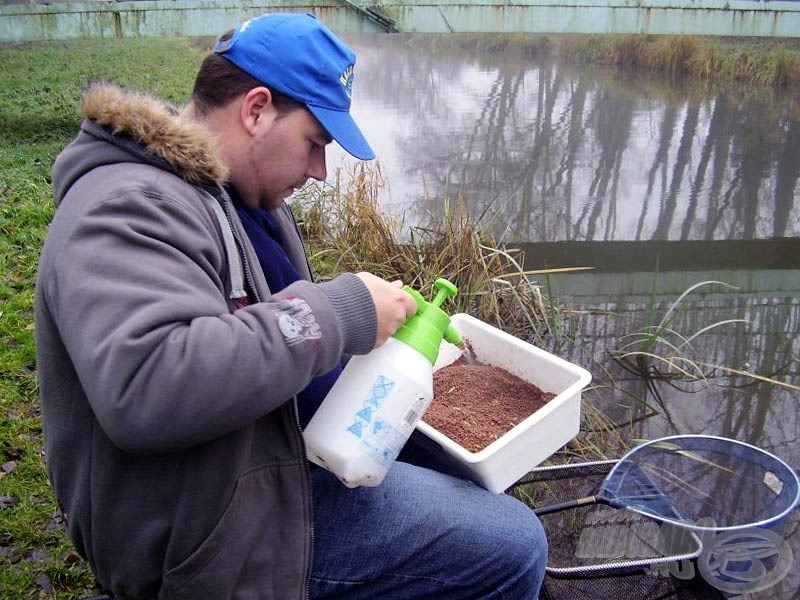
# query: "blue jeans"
{"type": "Point", "coordinates": [422, 534]}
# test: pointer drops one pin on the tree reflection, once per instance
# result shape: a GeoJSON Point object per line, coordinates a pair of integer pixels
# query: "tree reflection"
{"type": "Point", "coordinates": [544, 152]}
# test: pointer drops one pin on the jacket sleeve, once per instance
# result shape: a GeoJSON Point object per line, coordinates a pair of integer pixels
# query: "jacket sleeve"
{"type": "Point", "coordinates": [139, 300]}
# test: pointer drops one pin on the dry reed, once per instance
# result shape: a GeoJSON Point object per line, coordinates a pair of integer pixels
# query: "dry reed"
{"type": "Point", "coordinates": [345, 230]}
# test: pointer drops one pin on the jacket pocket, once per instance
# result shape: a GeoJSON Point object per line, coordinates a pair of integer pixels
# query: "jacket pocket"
{"type": "Point", "coordinates": [258, 550]}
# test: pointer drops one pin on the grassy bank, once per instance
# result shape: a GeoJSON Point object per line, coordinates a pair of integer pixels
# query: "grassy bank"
{"type": "Point", "coordinates": [715, 61]}
{"type": "Point", "coordinates": [40, 87]}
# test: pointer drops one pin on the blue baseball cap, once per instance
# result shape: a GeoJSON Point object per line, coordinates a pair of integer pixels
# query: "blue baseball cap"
{"type": "Point", "coordinates": [298, 56]}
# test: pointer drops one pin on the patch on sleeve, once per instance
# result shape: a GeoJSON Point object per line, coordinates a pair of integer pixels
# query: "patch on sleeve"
{"type": "Point", "coordinates": [297, 323]}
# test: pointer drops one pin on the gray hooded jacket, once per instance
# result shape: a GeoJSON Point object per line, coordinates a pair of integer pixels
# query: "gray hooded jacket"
{"type": "Point", "coordinates": [170, 429]}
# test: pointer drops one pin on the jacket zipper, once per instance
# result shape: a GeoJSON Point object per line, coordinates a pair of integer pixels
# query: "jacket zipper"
{"type": "Point", "coordinates": [248, 277]}
{"type": "Point", "coordinates": [306, 466]}
{"type": "Point", "coordinates": [307, 473]}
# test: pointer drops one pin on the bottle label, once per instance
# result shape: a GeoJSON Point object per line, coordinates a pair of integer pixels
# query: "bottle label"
{"type": "Point", "coordinates": [413, 413]}
{"type": "Point", "coordinates": [383, 425]}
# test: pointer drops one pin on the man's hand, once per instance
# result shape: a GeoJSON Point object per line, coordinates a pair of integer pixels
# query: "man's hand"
{"type": "Point", "coordinates": [393, 305]}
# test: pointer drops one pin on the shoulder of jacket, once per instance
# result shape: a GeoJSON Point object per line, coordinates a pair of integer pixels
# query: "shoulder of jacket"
{"type": "Point", "coordinates": [185, 144]}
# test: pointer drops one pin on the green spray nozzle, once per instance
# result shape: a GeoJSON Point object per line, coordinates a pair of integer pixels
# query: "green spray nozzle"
{"type": "Point", "coordinates": [425, 330]}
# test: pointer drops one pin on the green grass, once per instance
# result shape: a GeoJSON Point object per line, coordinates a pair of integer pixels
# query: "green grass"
{"type": "Point", "coordinates": [40, 87]}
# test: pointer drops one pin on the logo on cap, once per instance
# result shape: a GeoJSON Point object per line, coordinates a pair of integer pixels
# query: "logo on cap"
{"type": "Point", "coordinates": [346, 80]}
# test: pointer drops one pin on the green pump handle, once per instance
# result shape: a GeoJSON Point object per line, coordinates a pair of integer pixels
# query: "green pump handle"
{"type": "Point", "coordinates": [424, 331]}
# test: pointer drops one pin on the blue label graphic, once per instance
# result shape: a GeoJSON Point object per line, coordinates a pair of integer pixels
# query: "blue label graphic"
{"type": "Point", "coordinates": [356, 428]}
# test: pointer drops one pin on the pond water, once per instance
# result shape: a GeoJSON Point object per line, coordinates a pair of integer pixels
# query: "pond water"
{"type": "Point", "coordinates": [657, 186]}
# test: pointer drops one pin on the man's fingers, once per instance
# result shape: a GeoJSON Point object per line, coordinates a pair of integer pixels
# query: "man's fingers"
{"type": "Point", "coordinates": [393, 305]}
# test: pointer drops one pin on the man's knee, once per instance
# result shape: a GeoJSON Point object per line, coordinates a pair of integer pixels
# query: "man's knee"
{"type": "Point", "coordinates": [523, 550]}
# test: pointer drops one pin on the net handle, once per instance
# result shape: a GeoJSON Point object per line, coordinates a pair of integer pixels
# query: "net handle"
{"type": "Point", "coordinates": [585, 501]}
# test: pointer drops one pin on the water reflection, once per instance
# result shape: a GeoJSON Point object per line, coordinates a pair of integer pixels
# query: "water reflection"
{"type": "Point", "coordinates": [656, 186]}
{"type": "Point", "coordinates": [544, 152]}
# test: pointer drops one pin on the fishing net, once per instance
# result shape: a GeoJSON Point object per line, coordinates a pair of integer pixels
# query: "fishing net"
{"type": "Point", "coordinates": [678, 517]}
{"type": "Point", "coordinates": [599, 552]}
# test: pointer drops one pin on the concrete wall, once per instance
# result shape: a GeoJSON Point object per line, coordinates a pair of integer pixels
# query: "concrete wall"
{"type": "Point", "coordinates": [23, 21]}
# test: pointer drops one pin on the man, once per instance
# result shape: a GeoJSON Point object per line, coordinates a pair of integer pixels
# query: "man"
{"type": "Point", "coordinates": [171, 368]}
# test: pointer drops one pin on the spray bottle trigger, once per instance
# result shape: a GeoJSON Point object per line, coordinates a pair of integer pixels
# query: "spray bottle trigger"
{"type": "Point", "coordinates": [445, 289]}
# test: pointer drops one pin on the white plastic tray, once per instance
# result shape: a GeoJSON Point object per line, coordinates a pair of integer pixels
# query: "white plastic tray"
{"type": "Point", "coordinates": [533, 440]}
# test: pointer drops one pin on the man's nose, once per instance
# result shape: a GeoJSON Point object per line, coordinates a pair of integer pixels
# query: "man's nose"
{"type": "Point", "coordinates": [317, 167]}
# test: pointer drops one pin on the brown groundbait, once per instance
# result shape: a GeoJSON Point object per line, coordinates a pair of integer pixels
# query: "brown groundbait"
{"type": "Point", "coordinates": [475, 403]}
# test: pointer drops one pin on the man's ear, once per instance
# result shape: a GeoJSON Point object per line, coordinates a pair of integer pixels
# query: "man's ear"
{"type": "Point", "coordinates": [257, 106]}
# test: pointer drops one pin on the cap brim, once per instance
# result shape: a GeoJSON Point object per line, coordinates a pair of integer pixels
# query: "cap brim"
{"type": "Point", "coordinates": [342, 128]}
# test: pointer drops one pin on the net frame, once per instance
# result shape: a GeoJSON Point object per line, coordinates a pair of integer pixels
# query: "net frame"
{"type": "Point", "coordinates": [697, 533]}
{"type": "Point", "coordinates": [619, 568]}
{"type": "Point", "coordinates": [692, 442]}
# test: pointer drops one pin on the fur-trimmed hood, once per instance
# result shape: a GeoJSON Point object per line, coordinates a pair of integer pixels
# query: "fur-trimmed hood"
{"type": "Point", "coordinates": [128, 126]}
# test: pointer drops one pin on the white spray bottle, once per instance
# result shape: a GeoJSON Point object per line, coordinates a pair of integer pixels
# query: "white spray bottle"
{"type": "Point", "coordinates": [372, 409]}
